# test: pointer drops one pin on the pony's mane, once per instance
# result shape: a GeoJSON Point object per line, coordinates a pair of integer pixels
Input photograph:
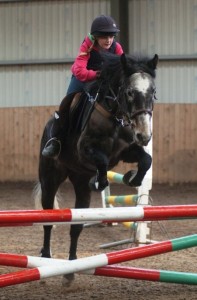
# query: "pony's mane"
{"type": "Point", "coordinates": [112, 66]}
{"type": "Point", "coordinates": [113, 72]}
{"type": "Point", "coordinates": [140, 63]}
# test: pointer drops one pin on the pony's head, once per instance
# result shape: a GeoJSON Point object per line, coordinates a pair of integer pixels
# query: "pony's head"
{"type": "Point", "coordinates": [138, 92]}
{"type": "Point", "coordinates": [127, 90]}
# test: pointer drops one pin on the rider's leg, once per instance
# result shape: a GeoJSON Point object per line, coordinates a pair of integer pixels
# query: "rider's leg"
{"type": "Point", "coordinates": [75, 86]}
{"type": "Point", "coordinates": [52, 148]}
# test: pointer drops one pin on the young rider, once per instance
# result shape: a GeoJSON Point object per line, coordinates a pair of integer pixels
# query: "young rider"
{"type": "Point", "coordinates": [86, 68]}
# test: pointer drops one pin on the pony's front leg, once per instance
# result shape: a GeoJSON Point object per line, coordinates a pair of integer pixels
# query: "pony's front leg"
{"type": "Point", "coordinates": [136, 154]}
{"type": "Point", "coordinates": [99, 182]}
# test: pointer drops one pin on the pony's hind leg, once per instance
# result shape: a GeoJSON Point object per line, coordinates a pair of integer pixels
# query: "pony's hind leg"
{"type": "Point", "coordinates": [50, 180]}
{"type": "Point", "coordinates": [47, 199]}
{"type": "Point", "coordinates": [83, 194]}
{"type": "Point", "coordinates": [40, 198]}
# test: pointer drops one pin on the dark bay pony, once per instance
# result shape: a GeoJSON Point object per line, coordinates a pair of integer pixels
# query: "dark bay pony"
{"type": "Point", "coordinates": [115, 127]}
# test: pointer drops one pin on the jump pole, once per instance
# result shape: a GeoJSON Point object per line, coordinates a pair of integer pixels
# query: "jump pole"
{"type": "Point", "coordinates": [123, 200]}
{"type": "Point", "coordinates": [66, 267]}
{"type": "Point", "coordinates": [117, 214]}
{"type": "Point", "coordinates": [113, 271]}
{"type": "Point", "coordinates": [108, 200]}
{"type": "Point", "coordinates": [145, 274]}
{"type": "Point", "coordinates": [142, 230]}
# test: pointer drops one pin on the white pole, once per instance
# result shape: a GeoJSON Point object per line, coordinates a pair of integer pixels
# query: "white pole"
{"type": "Point", "coordinates": [143, 228]}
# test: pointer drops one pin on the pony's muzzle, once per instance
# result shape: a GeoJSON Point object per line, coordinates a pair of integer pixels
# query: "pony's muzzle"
{"type": "Point", "coordinates": [142, 129]}
{"type": "Point", "coordinates": [142, 139]}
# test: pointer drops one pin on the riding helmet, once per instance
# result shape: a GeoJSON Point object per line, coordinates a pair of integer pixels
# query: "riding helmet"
{"type": "Point", "coordinates": [104, 26]}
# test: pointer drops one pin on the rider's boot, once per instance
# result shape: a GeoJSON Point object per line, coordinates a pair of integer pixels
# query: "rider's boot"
{"type": "Point", "coordinates": [52, 148]}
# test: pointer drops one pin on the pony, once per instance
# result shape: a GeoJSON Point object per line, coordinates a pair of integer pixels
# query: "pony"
{"type": "Point", "coordinates": [110, 123]}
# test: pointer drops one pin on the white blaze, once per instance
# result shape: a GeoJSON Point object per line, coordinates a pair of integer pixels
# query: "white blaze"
{"type": "Point", "coordinates": [142, 84]}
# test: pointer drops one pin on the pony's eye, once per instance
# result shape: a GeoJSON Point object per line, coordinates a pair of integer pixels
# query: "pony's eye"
{"type": "Point", "coordinates": [130, 93]}
{"type": "Point", "coordinates": [154, 95]}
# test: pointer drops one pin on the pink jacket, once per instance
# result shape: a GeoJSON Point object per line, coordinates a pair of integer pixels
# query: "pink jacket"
{"type": "Point", "coordinates": [79, 68]}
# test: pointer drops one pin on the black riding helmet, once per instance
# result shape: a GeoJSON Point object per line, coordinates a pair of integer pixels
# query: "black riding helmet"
{"type": "Point", "coordinates": [104, 26]}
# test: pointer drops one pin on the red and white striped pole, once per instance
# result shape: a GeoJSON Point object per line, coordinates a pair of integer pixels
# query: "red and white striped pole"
{"type": "Point", "coordinates": [116, 214]}
{"type": "Point", "coordinates": [66, 267]}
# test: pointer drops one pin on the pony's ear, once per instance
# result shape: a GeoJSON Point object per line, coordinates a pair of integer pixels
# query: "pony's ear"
{"type": "Point", "coordinates": [124, 63]}
{"type": "Point", "coordinates": [153, 62]}
{"type": "Point", "coordinates": [123, 59]}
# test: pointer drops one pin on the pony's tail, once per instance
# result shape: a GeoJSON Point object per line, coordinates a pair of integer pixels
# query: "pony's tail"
{"type": "Point", "coordinates": [37, 198]}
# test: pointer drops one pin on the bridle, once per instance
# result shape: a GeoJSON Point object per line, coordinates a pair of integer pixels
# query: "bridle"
{"type": "Point", "coordinates": [115, 111]}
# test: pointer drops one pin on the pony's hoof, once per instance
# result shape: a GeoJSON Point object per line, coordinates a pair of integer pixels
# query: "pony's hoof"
{"type": "Point", "coordinates": [68, 279]}
{"type": "Point", "coordinates": [130, 179]}
{"type": "Point", "coordinates": [97, 186]}
{"type": "Point", "coordinates": [44, 253]}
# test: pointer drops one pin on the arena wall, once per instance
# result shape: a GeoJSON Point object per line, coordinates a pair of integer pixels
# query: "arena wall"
{"type": "Point", "coordinates": [38, 46]}
{"type": "Point", "coordinates": [174, 143]}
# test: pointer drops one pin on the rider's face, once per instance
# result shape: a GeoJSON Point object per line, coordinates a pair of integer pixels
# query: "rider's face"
{"type": "Point", "coordinates": [105, 42]}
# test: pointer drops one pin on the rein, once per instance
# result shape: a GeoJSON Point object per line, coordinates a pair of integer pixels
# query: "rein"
{"type": "Point", "coordinates": [102, 110]}
{"type": "Point", "coordinates": [118, 115]}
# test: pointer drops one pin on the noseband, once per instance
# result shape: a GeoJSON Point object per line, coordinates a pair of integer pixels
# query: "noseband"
{"type": "Point", "coordinates": [141, 111]}
{"type": "Point", "coordinates": [126, 120]}
{"type": "Point", "coordinates": [122, 116]}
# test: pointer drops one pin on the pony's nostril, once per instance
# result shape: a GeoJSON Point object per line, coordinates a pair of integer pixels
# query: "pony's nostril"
{"type": "Point", "coordinates": [139, 137]}
{"type": "Point", "coordinates": [133, 124]}
{"type": "Point", "coordinates": [142, 139]}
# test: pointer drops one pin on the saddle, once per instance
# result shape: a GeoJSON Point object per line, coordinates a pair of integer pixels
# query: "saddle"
{"type": "Point", "coordinates": [80, 111]}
